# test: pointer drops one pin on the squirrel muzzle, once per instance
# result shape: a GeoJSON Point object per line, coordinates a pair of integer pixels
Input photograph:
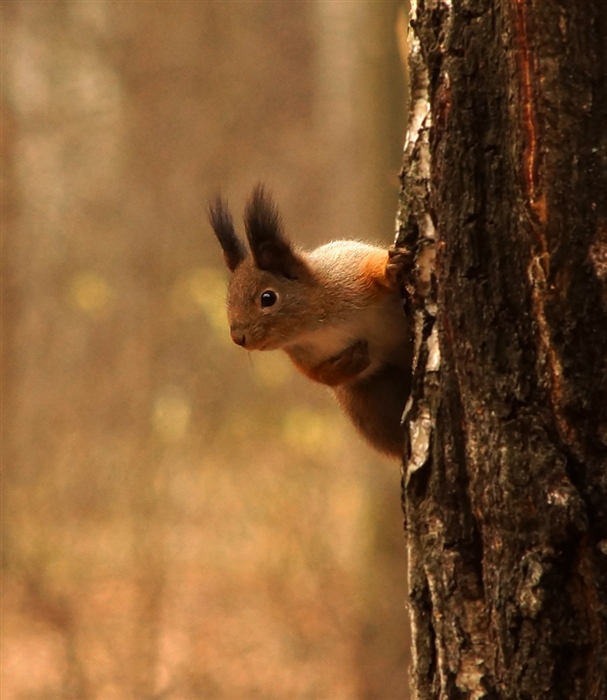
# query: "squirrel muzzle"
{"type": "Point", "coordinates": [238, 337]}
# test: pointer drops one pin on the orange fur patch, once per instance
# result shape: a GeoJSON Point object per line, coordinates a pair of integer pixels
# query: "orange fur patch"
{"type": "Point", "coordinates": [373, 271]}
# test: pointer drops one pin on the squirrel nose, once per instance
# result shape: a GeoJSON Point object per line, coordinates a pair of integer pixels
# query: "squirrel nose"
{"type": "Point", "coordinates": [238, 338]}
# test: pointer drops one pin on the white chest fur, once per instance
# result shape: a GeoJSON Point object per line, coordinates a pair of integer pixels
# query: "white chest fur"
{"type": "Point", "coordinates": [381, 324]}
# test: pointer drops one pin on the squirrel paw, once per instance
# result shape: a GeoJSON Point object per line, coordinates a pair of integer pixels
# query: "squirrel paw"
{"type": "Point", "coordinates": [399, 267]}
{"type": "Point", "coordinates": [345, 366]}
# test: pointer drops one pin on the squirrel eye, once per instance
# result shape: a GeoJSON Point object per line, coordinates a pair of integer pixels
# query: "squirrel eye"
{"type": "Point", "coordinates": [268, 298]}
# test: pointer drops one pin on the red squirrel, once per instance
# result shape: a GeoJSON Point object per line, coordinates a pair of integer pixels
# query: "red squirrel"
{"type": "Point", "coordinates": [336, 311]}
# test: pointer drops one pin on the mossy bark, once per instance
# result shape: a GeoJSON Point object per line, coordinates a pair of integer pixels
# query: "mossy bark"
{"type": "Point", "coordinates": [505, 480]}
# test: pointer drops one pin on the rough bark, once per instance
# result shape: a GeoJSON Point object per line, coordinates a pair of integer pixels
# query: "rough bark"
{"type": "Point", "coordinates": [505, 480]}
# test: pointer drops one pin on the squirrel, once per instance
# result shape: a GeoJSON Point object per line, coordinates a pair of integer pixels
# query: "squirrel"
{"type": "Point", "coordinates": [336, 311]}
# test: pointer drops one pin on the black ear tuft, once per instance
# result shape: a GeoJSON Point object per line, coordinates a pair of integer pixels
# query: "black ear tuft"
{"type": "Point", "coordinates": [271, 250]}
{"type": "Point", "coordinates": [234, 250]}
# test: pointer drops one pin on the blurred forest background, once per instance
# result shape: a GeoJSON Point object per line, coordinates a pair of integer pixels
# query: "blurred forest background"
{"type": "Point", "coordinates": [180, 519]}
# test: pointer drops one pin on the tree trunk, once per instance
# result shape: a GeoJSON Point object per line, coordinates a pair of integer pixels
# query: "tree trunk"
{"type": "Point", "coordinates": [505, 482]}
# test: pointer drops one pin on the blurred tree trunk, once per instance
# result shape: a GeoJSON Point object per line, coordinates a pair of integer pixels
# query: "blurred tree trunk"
{"type": "Point", "coordinates": [505, 483]}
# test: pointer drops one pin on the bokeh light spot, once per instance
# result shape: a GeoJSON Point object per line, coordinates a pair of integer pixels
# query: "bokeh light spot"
{"type": "Point", "coordinates": [272, 369]}
{"type": "Point", "coordinates": [89, 291]}
{"type": "Point", "coordinates": [202, 289]}
{"type": "Point", "coordinates": [310, 432]}
{"type": "Point", "coordinates": [171, 414]}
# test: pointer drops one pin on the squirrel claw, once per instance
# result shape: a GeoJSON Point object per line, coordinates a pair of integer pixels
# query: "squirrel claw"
{"type": "Point", "coordinates": [399, 266]}
{"type": "Point", "coordinates": [345, 366]}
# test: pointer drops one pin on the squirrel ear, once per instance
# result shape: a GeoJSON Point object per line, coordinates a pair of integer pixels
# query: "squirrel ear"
{"type": "Point", "coordinates": [271, 250]}
{"type": "Point", "coordinates": [234, 251]}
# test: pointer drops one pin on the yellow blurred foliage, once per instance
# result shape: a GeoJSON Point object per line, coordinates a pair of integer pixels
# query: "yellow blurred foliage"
{"type": "Point", "coordinates": [202, 289]}
{"type": "Point", "coordinates": [272, 369]}
{"type": "Point", "coordinates": [171, 414]}
{"type": "Point", "coordinates": [90, 292]}
{"type": "Point", "coordinates": [311, 432]}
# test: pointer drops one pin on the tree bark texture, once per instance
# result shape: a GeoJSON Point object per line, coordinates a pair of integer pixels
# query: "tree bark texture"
{"type": "Point", "coordinates": [505, 481]}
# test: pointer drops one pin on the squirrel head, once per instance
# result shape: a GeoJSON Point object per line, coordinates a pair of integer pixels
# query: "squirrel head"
{"type": "Point", "coordinates": [271, 284]}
